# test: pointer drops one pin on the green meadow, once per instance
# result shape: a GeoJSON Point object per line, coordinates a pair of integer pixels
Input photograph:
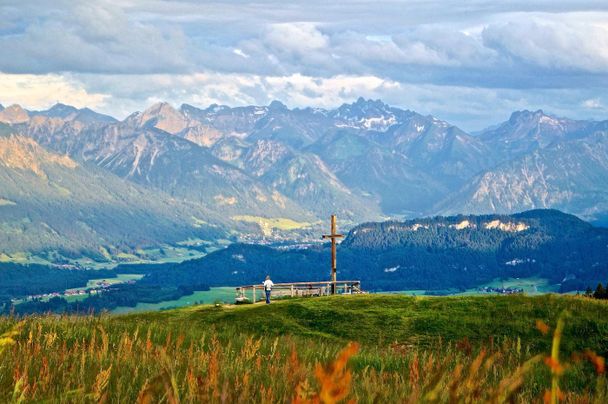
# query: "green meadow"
{"type": "Point", "coordinates": [367, 348]}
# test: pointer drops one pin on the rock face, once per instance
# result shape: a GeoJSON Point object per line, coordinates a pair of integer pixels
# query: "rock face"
{"type": "Point", "coordinates": [156, 159]}
{"type": "Point", "coordinates": [543, 162]}
{"type": "Point", "coordinates": [18, 152]}
{"type": "Point", "coordinates": [161, 116]}
{"type": "Point", "coordinates": [13, 115]}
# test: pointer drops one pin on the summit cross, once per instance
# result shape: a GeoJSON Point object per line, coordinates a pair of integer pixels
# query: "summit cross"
{"type": "Point", "coordinates": [333, 236]}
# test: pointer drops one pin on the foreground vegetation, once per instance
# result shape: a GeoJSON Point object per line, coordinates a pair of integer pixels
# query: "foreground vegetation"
{"type": "Point", "coordinates": [363, 348]}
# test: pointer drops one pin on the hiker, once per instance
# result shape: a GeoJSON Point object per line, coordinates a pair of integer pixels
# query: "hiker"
{"type": "Point", "coordinates": [267, 288]}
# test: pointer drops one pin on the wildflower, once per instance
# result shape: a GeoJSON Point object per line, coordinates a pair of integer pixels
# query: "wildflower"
{"type": "Point", "coordinates": [542, 327]}
{"type": "Point", "coordinates": [598, 361]}
{"type": "Point", "coordinates": [554, 365]}
{"type": "Point", "coordinates": [335, 379]}
{"type": "Point", "coordinates": [8, 338]}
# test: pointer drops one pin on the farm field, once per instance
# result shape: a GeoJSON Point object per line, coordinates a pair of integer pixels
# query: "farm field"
{"type": "Point", "coordinates": [530, 286]}
{"type": "Point", "coordinates": [167, 254]}
{"type": "Point", "coordinates": [370, 348]}
{"type": "Point", "coordinates": [223, 295]}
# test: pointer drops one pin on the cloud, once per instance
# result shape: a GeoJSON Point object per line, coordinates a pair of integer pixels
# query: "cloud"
{"type": "Point", "coordinates": [465, 62]}
{"type": "Point", "coordinates": [91, 37]}
{"type": "Point", "coordinates": [40, 92]}
{"type": "Point", "coordinates": [471, 108]}
{"type": "Point", "coordinates": [593, 103]}
{"type": "Point", "coordinates": [300, 37]}
{"type": "Point", "coordinates": [239, 52]}
{"type": "Point", "coordinates": [203, 89]}
{"type": "Point", "coordinates": [552, 43]}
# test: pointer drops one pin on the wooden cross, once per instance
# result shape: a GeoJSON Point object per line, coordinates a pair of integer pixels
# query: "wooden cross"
{"type": "Point", "coordinates": [333, 236]}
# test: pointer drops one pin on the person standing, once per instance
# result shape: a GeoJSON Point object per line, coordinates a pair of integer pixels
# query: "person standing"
{"type": "Point", "coordinates": [268, 284]}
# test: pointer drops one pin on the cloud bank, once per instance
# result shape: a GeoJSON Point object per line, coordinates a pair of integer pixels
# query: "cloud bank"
{"type": "Point", "coordinates": [468, 62]}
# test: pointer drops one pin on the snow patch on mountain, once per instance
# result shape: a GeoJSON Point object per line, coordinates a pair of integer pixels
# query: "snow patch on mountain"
{"type": "Point", "coordinates": [380, 123]}
{"type": "Point", "coordinates": [519, 261]}
{"type": "Point", "coordinates": [392, 269]}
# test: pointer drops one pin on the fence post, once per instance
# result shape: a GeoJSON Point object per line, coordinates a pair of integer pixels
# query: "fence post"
{"type": "Point", "coordinates": [292, 290]}
{"type": "Point", "coordinates": [253, 295]}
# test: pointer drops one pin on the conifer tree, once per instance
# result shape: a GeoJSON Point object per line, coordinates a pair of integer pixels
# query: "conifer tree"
{"type": "Point", "coordinates": [600, 292]}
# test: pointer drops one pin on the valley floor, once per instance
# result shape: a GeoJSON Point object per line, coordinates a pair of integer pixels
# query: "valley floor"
{"type": "Point", "coordinates": [370, 348]}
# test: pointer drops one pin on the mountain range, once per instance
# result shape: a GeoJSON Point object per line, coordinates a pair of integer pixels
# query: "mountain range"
{"type": "Point", "coordinates": [270, 172]}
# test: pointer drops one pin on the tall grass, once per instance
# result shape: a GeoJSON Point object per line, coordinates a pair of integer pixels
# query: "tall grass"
{"type": "Point", "coordinates": [98, 359]}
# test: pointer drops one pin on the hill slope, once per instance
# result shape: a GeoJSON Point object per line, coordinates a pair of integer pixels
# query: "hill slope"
{"type": "Point", "coordinates": [50, 204]}
{"type": "Point", "coordinates": [261, 353]}
{"type": "Point", "coordinates": [463, 349]}
{"type": "Point", "coordinates": [413, 320]}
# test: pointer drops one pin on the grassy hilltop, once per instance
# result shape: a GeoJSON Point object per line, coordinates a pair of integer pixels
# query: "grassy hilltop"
{"type": "Point", "coordinates": [427, 349]}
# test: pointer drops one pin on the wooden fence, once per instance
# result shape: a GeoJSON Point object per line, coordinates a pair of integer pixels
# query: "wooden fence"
{"type": "Point", "coordinates": [296, 289]}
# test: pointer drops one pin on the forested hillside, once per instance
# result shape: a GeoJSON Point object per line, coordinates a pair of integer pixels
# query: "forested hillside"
{"type": "Point", "coordinates": [436, 253]}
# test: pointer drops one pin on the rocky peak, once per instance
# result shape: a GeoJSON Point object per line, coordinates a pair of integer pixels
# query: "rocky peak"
{"type": "Point", "coordinates": [525, 116]}
{"type": "Point", "coordinates": [164, 117]}
{"type": "Point", "coordinates": [68, 113]}
{"type": "Point", "coordinates": [60, 111]}
{"type": "Point", "coordinates": [363, 108]}
{"type": "Point", "coordinates": [545, 121]}
{"type": "Point", "coordinates": [525, 129]}
{"type": "Point", "coordinates": [277, 106]}
{"type": "Point", "coordinates": [14, 114]}
{"type": "Point", "coordinates": [160, 108]}
{"type": "Point", "coordinates": [190, 111]}
{"type": "Point", "coordinates": [366, 115]}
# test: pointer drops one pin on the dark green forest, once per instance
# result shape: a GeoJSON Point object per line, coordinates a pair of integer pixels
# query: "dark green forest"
{"type": "Point", "coordinates": [435, 256]}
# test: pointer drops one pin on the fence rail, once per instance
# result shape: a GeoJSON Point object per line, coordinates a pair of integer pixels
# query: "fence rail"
{"type": "Point", "coordinates": [295, 289]}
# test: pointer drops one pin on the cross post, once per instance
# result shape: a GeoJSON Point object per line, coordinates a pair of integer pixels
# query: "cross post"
{"type": "Point", "coordinates": [333, 236]}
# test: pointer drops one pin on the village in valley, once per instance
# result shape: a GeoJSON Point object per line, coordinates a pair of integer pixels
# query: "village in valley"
{"type": "Point", "coordinates": [94, 287]}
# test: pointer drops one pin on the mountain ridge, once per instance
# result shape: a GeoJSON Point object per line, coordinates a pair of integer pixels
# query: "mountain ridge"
{"type": "Point", "coordinates": [57, 209]}
{"type": "Point", "coordinates": [362, 161]}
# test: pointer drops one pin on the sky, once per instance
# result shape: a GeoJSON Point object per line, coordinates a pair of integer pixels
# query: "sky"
{"type": "Point", "coordinates": [471, 63]}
